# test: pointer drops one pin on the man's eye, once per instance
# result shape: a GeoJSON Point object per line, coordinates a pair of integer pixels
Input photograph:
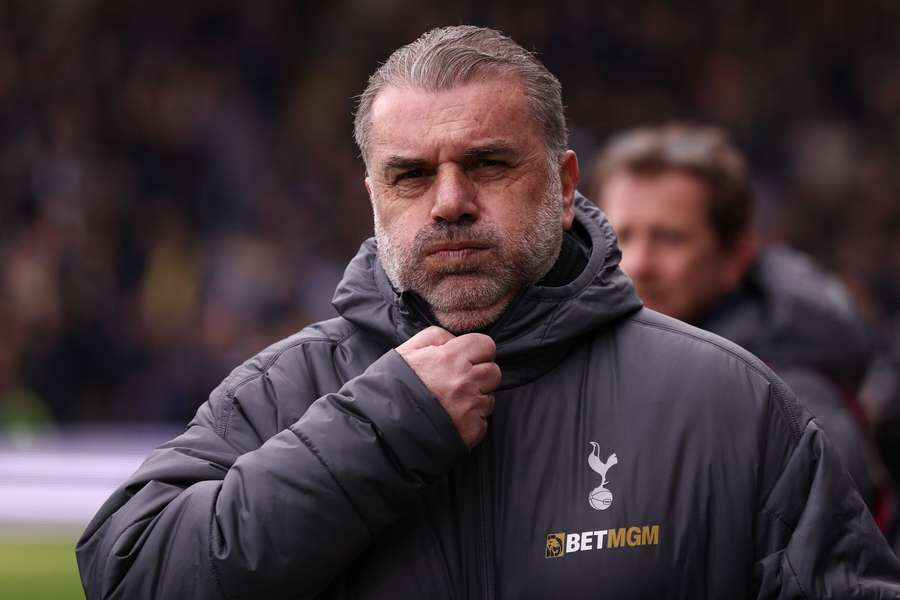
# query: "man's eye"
{"type": "Point", "coordinates": [411, 174]}
{"type": "Point", "coordinates": [487, 163]}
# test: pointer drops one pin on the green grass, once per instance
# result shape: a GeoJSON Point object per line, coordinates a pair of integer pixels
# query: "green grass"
{"type": "Point", "coordinates": [41, 567]}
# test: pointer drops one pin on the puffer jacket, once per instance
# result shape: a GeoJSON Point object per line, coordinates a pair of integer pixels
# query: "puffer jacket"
{"type": "Point", "coordinates": [629, 456]}
{"type": "Point", "coordinates": [801, 322]}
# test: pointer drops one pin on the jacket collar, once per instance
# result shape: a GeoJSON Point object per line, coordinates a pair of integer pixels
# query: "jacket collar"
{"type": "Point", "coordinates": [535, 331]}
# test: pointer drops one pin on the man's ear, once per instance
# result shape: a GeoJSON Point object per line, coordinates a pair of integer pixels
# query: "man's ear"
{"type": "Point", "coordinates": [368, 182]}
{"type": "Point", "coordinates": [568, 176]}
{"type": "Point", "coordinates": [738, 260]}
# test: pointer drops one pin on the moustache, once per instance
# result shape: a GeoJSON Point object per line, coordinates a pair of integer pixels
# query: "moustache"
{"type": "Point", "coordinates": [440, 233]}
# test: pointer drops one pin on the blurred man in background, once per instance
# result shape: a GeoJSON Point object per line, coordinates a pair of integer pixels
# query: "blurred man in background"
{"type": "Point", "coordinates": [681, 202]}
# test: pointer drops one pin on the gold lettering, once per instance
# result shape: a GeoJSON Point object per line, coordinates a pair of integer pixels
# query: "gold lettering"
{"type": "Point", "coordinates": [650, 535]}
{"type": "Point", "coordinates": [634, 536]}
{"type": "Point", "coordinates": [616, 537]}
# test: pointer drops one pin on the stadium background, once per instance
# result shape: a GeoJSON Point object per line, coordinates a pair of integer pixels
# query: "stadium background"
{"type": "Point", "coordinates": [179, 188]}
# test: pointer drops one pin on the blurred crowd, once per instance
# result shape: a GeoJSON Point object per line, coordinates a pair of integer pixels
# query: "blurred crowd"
{"type": "Point", "coordinates": [180, 187]}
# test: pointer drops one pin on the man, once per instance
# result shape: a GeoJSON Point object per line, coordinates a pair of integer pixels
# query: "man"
{"type": "Point", "coordinates": [680, 200]}
{"type": "Point", "coordinates": [492, 415]}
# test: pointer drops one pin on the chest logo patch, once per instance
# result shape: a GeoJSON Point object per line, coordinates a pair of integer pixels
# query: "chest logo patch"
{"type": "Point", "coordinates": [600, 497]}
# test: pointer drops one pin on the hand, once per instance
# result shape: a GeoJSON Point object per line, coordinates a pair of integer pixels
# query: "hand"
{"type": "Point", "coordinates": [460, 372]}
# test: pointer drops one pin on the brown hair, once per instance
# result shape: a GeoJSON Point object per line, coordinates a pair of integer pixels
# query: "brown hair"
{"type": "Point", "coordinates": [704, 152]}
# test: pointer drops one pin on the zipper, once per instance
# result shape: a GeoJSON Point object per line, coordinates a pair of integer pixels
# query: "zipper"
{"type": "Point", "coordinates": [486, 537]}
{"type": "Point", "coordinates": [416, 308]}
{"type": "Point", "coordinates": [412, 305]}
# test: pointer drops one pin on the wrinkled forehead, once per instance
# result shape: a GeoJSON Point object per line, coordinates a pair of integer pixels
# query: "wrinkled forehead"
{"type": "Point", "coordinates": [408, 119]}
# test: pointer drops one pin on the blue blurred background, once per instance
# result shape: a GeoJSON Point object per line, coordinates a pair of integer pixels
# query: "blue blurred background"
{"type": "Point", "coordinates": [180, 187]}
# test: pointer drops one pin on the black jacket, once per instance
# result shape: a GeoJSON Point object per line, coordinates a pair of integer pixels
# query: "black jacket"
{"type": "Point", "coordinates": [629, 456]}
{"type": "Point", "coordinates": [801, 322]}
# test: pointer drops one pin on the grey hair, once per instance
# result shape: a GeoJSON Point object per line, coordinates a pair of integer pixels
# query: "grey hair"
{"type": "Point", "coordinates": [450, 56]}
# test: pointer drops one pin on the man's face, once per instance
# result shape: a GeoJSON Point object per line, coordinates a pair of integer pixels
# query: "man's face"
{"type": "Point", "coordinates": [669, 247]}
{"type": "Point", "coordinates": [467, 209]}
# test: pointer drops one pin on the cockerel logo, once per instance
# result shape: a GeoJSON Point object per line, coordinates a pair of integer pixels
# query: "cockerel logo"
{"type": "Point", "coordinates": [601, 498]}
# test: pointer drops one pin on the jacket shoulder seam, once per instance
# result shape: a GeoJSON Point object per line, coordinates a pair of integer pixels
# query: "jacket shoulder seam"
{"type": "Point", "coordinates": [774, 395]}
{"type": "Point", "coordinates": [736, 355]}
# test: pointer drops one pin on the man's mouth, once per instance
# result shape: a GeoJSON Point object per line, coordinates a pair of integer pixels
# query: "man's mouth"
{"type": "Point", "coordinates": [456, 250]}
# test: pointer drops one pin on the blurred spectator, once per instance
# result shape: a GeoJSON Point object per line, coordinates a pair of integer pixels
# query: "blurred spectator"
{"type": "Point", "coordinates": [680, 200]}
{"type": "Point", "coordinates": [177, 174]}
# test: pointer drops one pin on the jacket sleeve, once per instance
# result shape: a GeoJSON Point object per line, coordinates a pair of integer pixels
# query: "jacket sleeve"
{"type": "Point", "coordinates": [826, 401]}
{"type": "Point", "coordinates": [204, 518]}
{"type": "Point", "coordinates": [815, 537]}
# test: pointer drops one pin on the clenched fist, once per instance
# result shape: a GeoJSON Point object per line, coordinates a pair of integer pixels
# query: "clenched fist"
{"type": "Point", "coordinates": [460, 372]}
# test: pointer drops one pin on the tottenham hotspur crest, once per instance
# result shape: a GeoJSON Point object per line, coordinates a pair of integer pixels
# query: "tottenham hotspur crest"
{"type": "Point", "coordinates": [600, 498]}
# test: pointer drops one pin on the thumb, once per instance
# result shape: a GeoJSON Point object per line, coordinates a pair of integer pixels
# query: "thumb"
{"type": "Point", "coordinates": [432, 336]}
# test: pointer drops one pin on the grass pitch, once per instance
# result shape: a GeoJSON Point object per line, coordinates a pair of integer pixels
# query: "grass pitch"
{"type": "Point", "coordinates": [39, 567]}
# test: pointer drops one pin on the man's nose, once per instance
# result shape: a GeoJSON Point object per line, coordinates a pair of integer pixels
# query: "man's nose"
{"type": "Point", "coordinates": [455, 196]}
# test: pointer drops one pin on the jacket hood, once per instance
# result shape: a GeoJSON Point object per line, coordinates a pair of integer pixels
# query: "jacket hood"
{"type": "Point", "coordinates": [538, 327]}
{"type": "Point", "coordinates": [790, 313]}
